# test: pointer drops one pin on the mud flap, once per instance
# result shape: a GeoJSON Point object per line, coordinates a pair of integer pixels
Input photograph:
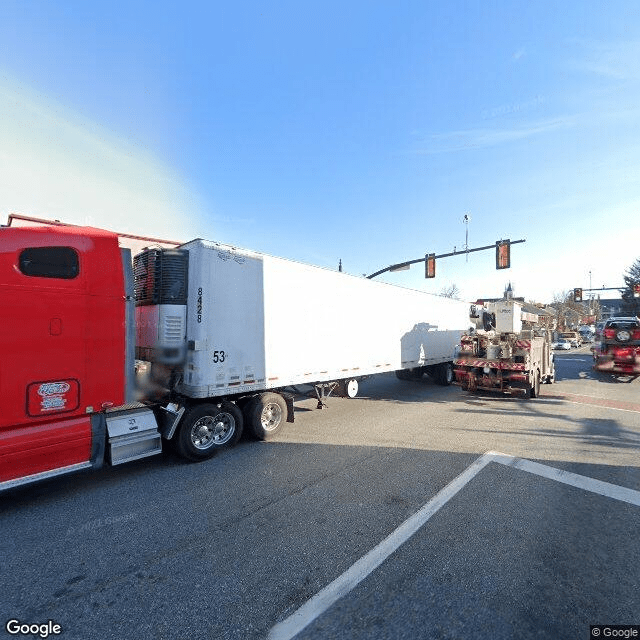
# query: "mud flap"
{"type": "Point", "coordinates": [288, 398]}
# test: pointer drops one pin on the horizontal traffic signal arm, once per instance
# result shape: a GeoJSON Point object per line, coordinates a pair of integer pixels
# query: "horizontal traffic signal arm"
{"type": "Point", "coordinates": [408, 263]}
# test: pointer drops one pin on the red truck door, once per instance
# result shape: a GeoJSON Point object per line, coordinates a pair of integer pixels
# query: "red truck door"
{"type": "Point", "coordinates": [63, 343]}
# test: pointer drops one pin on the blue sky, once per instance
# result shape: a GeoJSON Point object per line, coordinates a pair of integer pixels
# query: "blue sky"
{"type": "Point", "coordinates": [361, 131]}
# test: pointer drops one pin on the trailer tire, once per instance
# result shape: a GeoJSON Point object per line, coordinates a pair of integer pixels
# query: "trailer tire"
{"type": "Point", "coordinates": [443, 374]}
{"type": "Point", "coordinates": [207, 428]}
{"type": "Point", "coordinates": [265, 415]}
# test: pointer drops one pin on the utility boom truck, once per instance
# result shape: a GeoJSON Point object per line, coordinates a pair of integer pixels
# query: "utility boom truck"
{"type": "Point", "coordinates": [499, 355]}
{"type": "Point", "coordinates": [105, 359]}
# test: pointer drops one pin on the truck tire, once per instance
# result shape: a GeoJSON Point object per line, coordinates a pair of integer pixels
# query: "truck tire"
{"type": "Point", "coordinates": [349, 388]}
{"type": "Point", "coordinates": [265, 415]}
{"type": "Point", "coordinates": [551, 378]}
{"type": "Point", "coordinates": [207, 428]}
{"type": "Point", "coordinates": [410, 374]}
{"type": "Point", "coordinates": [534, 388]}
{"type": "Point", "coordinates": [623, 335]}
{"type": "Point", "coordinates": [443, 374]}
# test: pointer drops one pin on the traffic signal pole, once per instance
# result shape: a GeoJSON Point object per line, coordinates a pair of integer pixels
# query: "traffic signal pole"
{"type": "Point", "coordinates": [405, 265]}
{"type": "Point", "coordinates": [578, 291]}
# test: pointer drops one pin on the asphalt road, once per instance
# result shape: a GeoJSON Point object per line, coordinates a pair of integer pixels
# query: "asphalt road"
{"type": "Point", "coordinates": [236, 546]}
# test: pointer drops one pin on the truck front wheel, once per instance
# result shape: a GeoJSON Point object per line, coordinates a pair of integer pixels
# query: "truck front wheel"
{"type": "Point", "coordinates": [265, 415]}
{"type": "Point", "coordinates": [207, 428]}
{"type": "Point", "coordinates": [534, 388]}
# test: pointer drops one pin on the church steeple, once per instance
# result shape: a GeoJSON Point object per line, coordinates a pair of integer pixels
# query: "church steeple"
{"type": "Point", "coordinates": [508, 292]}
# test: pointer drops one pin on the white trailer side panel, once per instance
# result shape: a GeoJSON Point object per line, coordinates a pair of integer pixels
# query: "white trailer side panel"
{"type": "Point", "coordinates": [258, 322]}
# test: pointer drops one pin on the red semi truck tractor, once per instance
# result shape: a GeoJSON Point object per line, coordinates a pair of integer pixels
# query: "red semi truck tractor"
{"type": "Point", "coordinates": [68, 353]}
{"type": "Point", "coordinates": [104, 358]}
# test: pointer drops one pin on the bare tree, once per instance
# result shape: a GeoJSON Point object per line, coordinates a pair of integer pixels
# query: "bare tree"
{"type": "Point", "coordinates": [568, 312]}
{"type": "Point", "coordinates": [450, 291]}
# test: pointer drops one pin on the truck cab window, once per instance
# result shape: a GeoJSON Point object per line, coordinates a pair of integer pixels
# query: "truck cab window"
{"type": "Point", "coordinates": [50, 262]}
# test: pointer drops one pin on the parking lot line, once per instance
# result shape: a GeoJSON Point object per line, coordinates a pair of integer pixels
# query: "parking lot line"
{"type": "Point", "coordinates": [343, 584]}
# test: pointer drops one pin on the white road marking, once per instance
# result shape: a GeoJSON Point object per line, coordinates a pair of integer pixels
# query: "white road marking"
{"type": "Point", "coordinates": [575, 399]}
{"type": "Point", "coordinates": [566, 477]}
{"type": "Point", "coordinates": [342, 585]}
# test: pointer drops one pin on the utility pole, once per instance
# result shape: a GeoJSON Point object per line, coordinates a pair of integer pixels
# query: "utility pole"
{"type": "Point", "coordinates": [466, 220]}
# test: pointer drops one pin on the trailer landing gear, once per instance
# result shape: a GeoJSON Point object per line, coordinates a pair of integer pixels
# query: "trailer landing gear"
{"type": "Point", "coordinates": [348, 388]}
{"type": "Point", "coordinates": [324, 391]}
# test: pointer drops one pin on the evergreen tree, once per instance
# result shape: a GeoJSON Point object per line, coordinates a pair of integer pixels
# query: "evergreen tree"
{"type": "Point", "coordinates": [631, 277]}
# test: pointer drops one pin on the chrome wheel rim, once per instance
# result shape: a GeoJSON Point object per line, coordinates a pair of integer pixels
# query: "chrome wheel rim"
{"type": "Point", "coordinates": [271, 416]}
{"type": "Point", "coordinates": [214, 430]}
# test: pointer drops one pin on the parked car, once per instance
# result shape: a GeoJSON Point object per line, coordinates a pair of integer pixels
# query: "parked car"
{"type": "Point", "coordinates": [562, 343]}
{"type": "Point", "coordinates": [573, 337]}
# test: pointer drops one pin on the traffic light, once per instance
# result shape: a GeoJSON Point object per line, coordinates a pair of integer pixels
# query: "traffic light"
{"type": "Point", "coordinates": [577, 295]}
{"type": "Point", "coordinates": [430, 265]}
{"type": "Point", "coordinates": [503, 254]}
{"type": "Point", "coordinates": [636, 289]}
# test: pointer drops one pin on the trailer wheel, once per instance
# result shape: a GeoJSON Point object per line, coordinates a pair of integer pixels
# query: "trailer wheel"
{"type": "Point", "coordinates": [349, 388]}
{"type": "Point", "coordinates": [207, 428]}
{"type": "Point", "coordinates": [265, 415]}
{"type": "Point", "coordinates": [410, 374]}
{"type": "Point", "coordinates": [443, 374]}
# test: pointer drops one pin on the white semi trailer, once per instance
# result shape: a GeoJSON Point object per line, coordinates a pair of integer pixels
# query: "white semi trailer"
{"type": "Point", "coordinates": [227, 331]}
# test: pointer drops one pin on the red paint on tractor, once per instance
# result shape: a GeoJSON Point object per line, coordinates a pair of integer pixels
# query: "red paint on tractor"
{"type": "Point", "coordinates": [63, 343]}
